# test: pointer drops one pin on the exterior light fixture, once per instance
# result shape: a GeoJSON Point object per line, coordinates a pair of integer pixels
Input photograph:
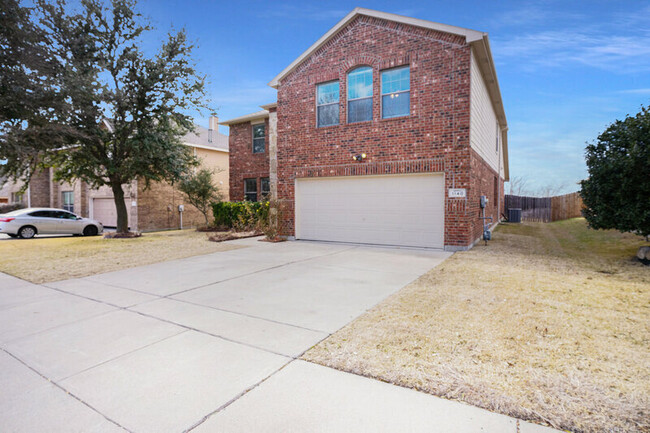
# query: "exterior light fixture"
{"type": "Point", "coordinates": [360, 157]}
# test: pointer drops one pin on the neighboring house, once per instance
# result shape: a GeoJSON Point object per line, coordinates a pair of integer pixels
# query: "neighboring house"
{"type": "Point", "coordinates": [153, 208]}
{"type": "Point", "coordinates": [250, 158]}
{"type": "Point", "coordinates": [387, 130]}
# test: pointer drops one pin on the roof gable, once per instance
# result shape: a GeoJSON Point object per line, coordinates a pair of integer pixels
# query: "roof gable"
{"type": "Point", "coordinates": [469, 35]}
{"type": "Point", "coordinates": [477, 40]}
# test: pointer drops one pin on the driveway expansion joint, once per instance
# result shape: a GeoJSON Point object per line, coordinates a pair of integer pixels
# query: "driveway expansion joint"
{"type": "Point", "coordinates": [235, 398]}
{"type": "Point", "coordinates": [60, 387]}
{"type": "Point", "coordinates": [258, 271]}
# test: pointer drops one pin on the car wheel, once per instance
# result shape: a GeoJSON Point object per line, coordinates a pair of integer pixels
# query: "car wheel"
{"type": "Point", "coordinates": [27, 232]}
{"type": "Point", "coordinates": [90, 231]}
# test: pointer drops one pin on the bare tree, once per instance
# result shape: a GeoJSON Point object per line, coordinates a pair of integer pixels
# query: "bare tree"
{"type": "Point", "coordinates": [550, 190]}
{"type": "Point", "coordinates": [518, 185]}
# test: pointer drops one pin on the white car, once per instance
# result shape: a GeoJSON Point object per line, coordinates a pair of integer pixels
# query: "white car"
{"type": "Point", "coordinates": [26, 223]}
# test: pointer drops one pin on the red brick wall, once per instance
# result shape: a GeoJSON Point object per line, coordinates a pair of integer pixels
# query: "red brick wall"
{"type": "Point", "coordinates": [39, 189]}
{"type": "Point", "coordinates": [436, 130]}
{"type": "Point", "coordinates": [158, 208]}
{"type": "Point", "coordinates": [245, 164]}
{"type": "Point", "coordinates": [483, 183]}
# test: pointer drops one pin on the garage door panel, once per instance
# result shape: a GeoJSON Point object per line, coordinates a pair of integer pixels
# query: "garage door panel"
{"type": "Point", "coordinates": [105, 212]}
{"type": "Point", "coordinates": [392, 210]}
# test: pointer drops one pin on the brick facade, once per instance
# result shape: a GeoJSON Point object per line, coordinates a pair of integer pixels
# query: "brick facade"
{"type": "Point", "coordinates": [437, 128]}
{"type": "Point", "coordinates": [433, 138]}
{"type": "Point", "coordinates": [484, 181]}
{"type": "Point", "coordinates": [244, 164]}
{"type": "Point", "coordinates": [158, 208]}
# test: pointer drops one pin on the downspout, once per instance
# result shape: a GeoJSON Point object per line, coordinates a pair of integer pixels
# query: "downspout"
{"type": "Point", "coordinates": [498, 218]}
{"type": "Point", "coordinates": [51, 175]}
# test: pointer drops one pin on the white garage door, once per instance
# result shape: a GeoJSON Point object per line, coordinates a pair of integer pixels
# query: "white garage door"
{"type": "Point", "coordinates": [405, 210]}
{"type": "Point", "coordinates": [104, 211]}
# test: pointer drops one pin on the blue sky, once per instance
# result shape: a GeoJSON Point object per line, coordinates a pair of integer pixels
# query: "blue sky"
{"type": "Point", "coordinates": [567, 69]}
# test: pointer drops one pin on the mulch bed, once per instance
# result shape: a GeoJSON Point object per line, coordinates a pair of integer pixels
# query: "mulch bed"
{"type": "Point", "coordinates": [220, 236]}
{"type": "Point", "coordinates": [273, 240]}
{"type": "Point", "coordinates": [115, 235]}
{"type": "Point", "coordinates": [212, 229]}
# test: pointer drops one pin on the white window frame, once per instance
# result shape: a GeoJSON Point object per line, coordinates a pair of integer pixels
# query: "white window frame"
{"type": "Point", "coordinates": [17, 197]}
{"type": "Point", "coordinates": [347, 94]}
{"type": "Point", "coordinates": [253, 126]}
{"type": "Point", "coordinates": [265, 194]}
{"type": "Point", "coordinates": [245, 190]}
{"type": "Point", "coordinates": [63, 203]}
{"type": "Point", "coordinates": [338, 102]}
{"type": "Point", "coordinates": [381, 97]}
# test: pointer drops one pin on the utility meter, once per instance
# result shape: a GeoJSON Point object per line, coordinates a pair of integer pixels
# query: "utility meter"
{"type": "Point", "coordinates": [487, 235]}
{"type": "Point", "coordinates": [484, 201]}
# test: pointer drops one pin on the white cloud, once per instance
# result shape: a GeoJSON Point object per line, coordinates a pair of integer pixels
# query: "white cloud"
{"type": "Point", "coordinates": [557, 39]}
{"type": "Point", "coordinates": [579, 46]}
{"type": "Point", "coordinates": [304, 12]}
{"type": "Point", "coordinates": [636, 91]}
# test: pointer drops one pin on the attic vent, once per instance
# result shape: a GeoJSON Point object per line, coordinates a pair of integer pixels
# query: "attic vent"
{"type": "Point", "coordinates": [209, 135]}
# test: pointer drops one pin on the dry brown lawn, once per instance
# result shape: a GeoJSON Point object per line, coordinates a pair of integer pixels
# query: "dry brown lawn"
{"type": "Point", "coordinates": [42, 260]}
{"type": "Point", "coordinates": [549, 323]}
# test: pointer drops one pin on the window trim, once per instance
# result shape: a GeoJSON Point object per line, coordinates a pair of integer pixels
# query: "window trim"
{"type": "Point", "coordinates": [381, 96]}
{"type": "Point", "coordinates": [250, 192]}
{"type": "Point", "coordinates": [253, 125]}
{"type": "Point", "coordinates": [347, 94]}
{"type": "Point", "coordinates": [63, 203]}
{"type": "Point", "coordinates": [338, 120]}
{"type": "Point", "coordinates": [266, 194]}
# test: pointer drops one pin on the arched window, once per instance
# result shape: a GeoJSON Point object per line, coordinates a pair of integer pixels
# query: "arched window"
{"type": "Point", "coordinates": [360, 94]}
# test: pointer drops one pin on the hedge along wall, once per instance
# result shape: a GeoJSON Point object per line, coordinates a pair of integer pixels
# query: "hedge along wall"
{"type": "Point", "coordinates": [240, 214]}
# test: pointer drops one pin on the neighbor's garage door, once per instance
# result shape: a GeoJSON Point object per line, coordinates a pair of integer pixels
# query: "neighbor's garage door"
{"type": "Point", "coordinates": [104, 211]}
{"type": "Point", "coordinates": [406, 210]}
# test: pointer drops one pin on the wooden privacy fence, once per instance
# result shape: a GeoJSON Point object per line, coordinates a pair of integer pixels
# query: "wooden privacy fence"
{"type": "Point", "coordinates": [545, 209]}
{"type": "Point", "coordinates": [566, 206]}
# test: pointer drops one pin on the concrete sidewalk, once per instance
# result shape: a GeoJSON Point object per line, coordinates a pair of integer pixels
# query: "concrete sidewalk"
{"type": "Point", "coordinates": [209, 343]}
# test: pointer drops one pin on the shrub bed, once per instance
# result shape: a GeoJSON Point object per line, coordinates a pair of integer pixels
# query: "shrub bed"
{"type": "Point", "coordinates": [240, 215]}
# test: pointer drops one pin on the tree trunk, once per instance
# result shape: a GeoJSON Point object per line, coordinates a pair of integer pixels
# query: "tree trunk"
{"type": "Point", "coordinates": [120, 206]}
{"type": "Point", "coordinates": [205, 215]}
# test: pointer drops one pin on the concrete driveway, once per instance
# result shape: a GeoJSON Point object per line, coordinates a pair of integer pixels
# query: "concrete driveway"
{"type": "Point", "coordinates": [209, 343]}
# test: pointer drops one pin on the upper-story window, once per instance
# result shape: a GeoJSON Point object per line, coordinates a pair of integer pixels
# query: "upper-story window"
{"type": "Point", "coordinates": [360, 95]}
{"type": "Point", "coordinates": [327, 103]}
{"type": "Point", "coordinates": [259, 134]}
{"type": "Point", "coordinates": [395, 92]}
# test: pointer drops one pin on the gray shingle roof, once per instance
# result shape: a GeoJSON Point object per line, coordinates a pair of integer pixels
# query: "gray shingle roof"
{"type": "Point", "coordinates": [201, 137]}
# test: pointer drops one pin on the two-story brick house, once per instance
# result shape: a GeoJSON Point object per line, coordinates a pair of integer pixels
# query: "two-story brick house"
{"type": "Point", "coordinates": [149, 208]}
{"type": "Point", "coordinates": [387, 130]}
